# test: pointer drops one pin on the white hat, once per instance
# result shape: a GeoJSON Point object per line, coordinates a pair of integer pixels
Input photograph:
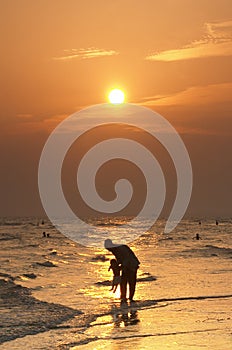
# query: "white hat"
{"type": "Point", "coordinates": [109, 244]}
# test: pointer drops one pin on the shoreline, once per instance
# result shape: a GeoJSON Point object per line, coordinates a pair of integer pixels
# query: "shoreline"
{"type": "Point", "coordinates": [31, 316]}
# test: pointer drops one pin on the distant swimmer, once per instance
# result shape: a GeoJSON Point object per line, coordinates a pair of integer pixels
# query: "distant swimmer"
{"type": "Point", "coordinates": [216, 222]}
{"type": "Point", "coordinates": [44, 234]}
{"type": "Point", "coordinates": [48, 235]}
{"type": "Point", "coordinates": [129, 265]}
{"type": "Point", "coordinates": [197, 237]}
{"type": "Point", "coordinates": [199, 222]}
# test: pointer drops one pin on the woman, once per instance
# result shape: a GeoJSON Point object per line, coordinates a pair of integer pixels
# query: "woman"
{"type": "Point", "coordinates": [129, 263]}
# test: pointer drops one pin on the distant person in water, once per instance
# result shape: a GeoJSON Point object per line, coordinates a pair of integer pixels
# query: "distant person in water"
{"type": "Point", "coordinates": [129, 265]}
{"type": "Point", "coordinates": [216, 222]}
{"type": "Point", "coordinates": [115, 267]}
{"type": "Point", "coordinates": [197, 237]}
{"type": "Point", "coordinates": [44, 234]}
{"type": "Point", "coordinates": [199, 223]}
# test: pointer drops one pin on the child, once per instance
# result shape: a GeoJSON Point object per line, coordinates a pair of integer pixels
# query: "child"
{"type": "Point", "coordinates": [114, 266]}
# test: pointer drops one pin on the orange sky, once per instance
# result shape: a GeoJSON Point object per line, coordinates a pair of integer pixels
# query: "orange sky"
{"type": "Point", "coordinates": [173, 56]}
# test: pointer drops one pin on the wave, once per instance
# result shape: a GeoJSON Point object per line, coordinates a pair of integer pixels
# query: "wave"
{"type": "Point", "coordinates": [10, 223]}
{"type": "Point", "coordinates": [46, 264]}
{"type": "Point", "coordinates": [24, 276]}
{"type": "Point", "coordinates": [7, 237]}
{"type": "Point", "coordinates": [210, 250]}
{"type": "Point", "coordinates": [100, 257]}
{"type": "Point", "coordinates": [17, 320]}
{"type": "Point", "coordinates": [147, 278]}
{"type": "Point", "coordinates": [220, 248]}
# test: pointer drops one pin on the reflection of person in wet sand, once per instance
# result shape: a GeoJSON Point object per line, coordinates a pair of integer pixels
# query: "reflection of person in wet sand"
{"type": "Point", "coordinates": [129, 317]}
{"type": "Point", "coordinates": [115, 267]}
{"type": "Point", "coordinates": [129, 265]}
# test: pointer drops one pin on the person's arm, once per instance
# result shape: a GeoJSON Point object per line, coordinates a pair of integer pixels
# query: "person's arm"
{"type": "Point", "coordinates": [117, 253]}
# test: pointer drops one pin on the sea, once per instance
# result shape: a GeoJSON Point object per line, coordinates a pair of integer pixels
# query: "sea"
{"type": "Point", "coordinates": [55, 293]}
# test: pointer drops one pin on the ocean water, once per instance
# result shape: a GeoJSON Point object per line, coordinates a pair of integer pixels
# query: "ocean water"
{"type": "Point", "coordinates": [55, 293]}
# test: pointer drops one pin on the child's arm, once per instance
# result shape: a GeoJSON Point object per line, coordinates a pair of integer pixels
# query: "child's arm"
{"type": "Point", "coordinates": [109, 268]}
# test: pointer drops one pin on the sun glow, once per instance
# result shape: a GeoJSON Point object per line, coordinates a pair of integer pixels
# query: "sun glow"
{"type": "Point", "coordinates": [116, 96]}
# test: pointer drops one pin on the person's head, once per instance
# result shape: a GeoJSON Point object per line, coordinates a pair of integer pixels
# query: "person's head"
{"type": "Point", "coordinates": [108, 243]}
{"type": "Point", "coordinates": [113, 262]}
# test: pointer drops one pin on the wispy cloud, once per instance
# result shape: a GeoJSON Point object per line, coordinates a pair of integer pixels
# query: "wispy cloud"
{"type": "Point", "coordinates": [24, 115]}
{"type": "Point", "coordinates": [91, 52]}
{"type": "Point", "coordinates": [217, 41]}
{"type": "Point", "coordinates": [196, 95]}
{"type": "Point", "coordinates": [33, 123]}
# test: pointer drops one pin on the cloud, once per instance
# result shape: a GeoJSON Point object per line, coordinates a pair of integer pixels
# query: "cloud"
{"type": "Point", "coordinates": [29, 123]}
{"type": "Point", "coordinates": [196, 95]}
{"type": "Point", "coordinates": [198, 110]}
{"type": "Point", "coordinates": [88, 53]}
{"type": "Point", "coordinates": [219, 30]}
{"type": "Point", "coordinates": [24, 115]}
{"type": "Point", "coordinates": [217, 41]}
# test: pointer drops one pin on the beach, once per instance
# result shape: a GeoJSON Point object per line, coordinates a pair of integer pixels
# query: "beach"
{"type": "Point", "coordinates": [55, 293]}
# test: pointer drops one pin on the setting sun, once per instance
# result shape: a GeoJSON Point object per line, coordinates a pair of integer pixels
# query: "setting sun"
{"type": "Point", "coordinates": [116, 96]}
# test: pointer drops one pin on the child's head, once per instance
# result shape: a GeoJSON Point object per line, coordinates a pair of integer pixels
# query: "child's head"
{"type": "Point", "coordinates": [113, 262]}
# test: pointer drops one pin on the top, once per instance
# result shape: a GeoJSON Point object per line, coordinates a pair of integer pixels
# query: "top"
{"type": "Point", "coordinates": [125, 256]}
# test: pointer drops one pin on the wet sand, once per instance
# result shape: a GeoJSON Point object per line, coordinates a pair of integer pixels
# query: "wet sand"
{"type": "Point", "coordinates": [167, 323]}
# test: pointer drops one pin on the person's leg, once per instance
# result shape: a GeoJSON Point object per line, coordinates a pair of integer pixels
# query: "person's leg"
{"type": "Point", "coordinates": [123, 284]}
{"type": "Point", "coordinates": [132, 283]}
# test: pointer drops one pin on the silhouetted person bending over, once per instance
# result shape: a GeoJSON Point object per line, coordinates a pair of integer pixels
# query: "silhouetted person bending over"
{"type": "Point", "coordinates": [129, 265]}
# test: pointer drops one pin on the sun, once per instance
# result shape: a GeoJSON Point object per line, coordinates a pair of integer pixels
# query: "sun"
{"type": "Point", "coordinates": [116, 96]}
